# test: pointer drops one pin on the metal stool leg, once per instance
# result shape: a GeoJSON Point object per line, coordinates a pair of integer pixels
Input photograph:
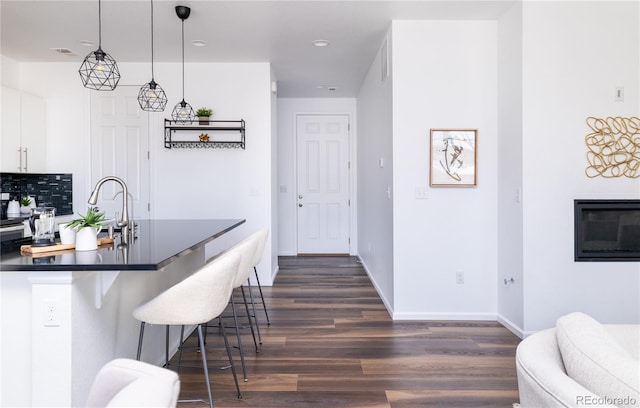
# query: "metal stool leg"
{"type": "Point", "coordinates": [246, 306]}
{"type": "Point", "coordinates": [233, 368]}
{"type": "Point", "coordinates": [264, 305]}
{"type": "Point", "coordinates": [166, 347]}
{"type": "Point", "coordinates": [235, 322]}
{"type": "Point", "coordinates": [140, 341]}
{"type": "Point", "coordinates": [253, 307]}
{"type": "Point", "coordinates": [204, 365]}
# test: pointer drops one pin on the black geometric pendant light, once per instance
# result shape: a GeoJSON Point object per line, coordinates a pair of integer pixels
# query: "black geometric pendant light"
{"type": "Point", "coordinates": [99, 70]}
{"type": "Point", "coordinates": [151, 96]}
{"type": "Point", "coordinates": [183, 112]}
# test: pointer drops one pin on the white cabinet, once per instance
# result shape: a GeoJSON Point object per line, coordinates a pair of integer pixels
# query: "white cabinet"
{"type": "Point", "coordinates": [23, 132]}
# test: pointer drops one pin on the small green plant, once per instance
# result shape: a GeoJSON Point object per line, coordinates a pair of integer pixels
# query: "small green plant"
{"type": "Point", "coordinates": [204, 112]}
{"type": "Point", "coordinates": [25, 201]}
{"type": "Point", "coordinates": [92, 218]}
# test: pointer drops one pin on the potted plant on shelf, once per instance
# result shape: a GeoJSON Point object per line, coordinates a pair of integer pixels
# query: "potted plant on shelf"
{"type": "Point", "coordinates": [25, 205]}
{"type": "Point", "coordinates": [203, 115]}
{"type": "Point", "coordinates": [87, 228]}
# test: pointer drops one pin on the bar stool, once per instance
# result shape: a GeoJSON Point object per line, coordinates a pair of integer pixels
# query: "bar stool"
{"type": "Point", "coordinates": [246, 250]}
{"type": "Point", "coordinates": [196, 300]}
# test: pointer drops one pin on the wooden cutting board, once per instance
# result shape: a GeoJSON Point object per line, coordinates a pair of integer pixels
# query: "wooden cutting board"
{"type": "Point", "coordinates": [58, 247]}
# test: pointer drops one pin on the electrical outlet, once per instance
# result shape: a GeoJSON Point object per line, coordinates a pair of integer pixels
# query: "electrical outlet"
{"type": "Point", "coordinates": [51, 313]}
{"type": "Point", "coordinates": [459, 277]}
{"type": "Point", "coordinates": [618, 95]}
{"type": "Point", "coordinates": [421, 193]}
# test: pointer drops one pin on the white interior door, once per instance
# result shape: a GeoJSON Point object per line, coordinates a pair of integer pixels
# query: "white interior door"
{"type": "Point", "coordinates": [120, 147]}
{"type": "Point", "coordinates": [323, 183]}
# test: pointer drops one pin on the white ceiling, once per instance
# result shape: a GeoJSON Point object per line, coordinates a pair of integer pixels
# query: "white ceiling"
{"type": "Point", "coordinates": [280, 32]}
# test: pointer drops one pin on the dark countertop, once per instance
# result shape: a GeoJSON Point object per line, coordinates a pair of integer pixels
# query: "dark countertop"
{"type": "Point", "coordinates": [157, 243]}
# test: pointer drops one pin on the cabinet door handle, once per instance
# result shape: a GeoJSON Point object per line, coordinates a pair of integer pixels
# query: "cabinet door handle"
{"type": "Point", "coordinates": [20, 158]}
{"type": "Point", "coordinates": [26, 164]}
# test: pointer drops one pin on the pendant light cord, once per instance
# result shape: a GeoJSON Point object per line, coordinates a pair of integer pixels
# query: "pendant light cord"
{"type": "Point", "coordinates": [99, 24]}
{"type": "Point", "coordinates": [182, 59]}
{"type": "Point", "coordinates": [151, 40]}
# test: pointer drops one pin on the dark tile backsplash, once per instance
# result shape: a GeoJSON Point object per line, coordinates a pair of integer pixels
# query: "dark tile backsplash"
{"type": "Point", "coordinates": [49, 190]}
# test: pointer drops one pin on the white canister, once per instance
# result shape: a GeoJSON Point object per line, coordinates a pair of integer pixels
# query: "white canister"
{"type": "Point", "coordinates": [13, 208]}
{"type": "Point", "coordinates": [67, 235]}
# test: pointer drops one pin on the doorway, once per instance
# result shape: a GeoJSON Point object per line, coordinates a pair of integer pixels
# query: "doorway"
{"type": "Point", "coordinates": [323, 190]}
{"type": "Point", "coordinates": [120, 147]}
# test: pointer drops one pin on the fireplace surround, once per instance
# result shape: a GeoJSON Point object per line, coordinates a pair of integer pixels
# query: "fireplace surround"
{"type": "Point", "coordinates": [607, 230]}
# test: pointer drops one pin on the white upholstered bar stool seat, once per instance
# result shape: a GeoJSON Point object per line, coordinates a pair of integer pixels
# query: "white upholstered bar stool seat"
{"type": "Point", "coordinates": [129, 383]}
{"type": "Point", "coordinates": [196, 300]}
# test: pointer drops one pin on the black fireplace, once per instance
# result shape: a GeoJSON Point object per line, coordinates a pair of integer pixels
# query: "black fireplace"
{"type": "Point", "coordinates": [607, 230]}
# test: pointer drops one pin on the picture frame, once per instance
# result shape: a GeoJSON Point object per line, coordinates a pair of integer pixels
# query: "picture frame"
{"type": "Point", "coordinates": [453, 158]}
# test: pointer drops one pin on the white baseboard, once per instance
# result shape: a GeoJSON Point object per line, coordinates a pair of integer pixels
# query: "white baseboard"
{"type": "Point", "coordinates": [444, 316]}
{"type": "Point", "coordinates": [274, 273]}
{"type": "Point", "coordinates": [377, 288]}
{"type": "Point", "coordinates": [514, 328]}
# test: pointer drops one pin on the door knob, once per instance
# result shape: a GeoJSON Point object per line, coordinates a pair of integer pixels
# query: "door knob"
{"type": "Point", "coordinates": [300, 196]}
{"type": "Point", "coordinates": [300, 205]}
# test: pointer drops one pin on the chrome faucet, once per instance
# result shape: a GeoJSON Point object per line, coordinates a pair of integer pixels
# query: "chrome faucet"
{"type": "Point", "coordinates": [124, 221]}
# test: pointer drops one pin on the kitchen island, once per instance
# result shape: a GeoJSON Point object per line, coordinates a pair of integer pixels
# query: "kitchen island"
{"type": "Point", "coordinates": [64, 315]}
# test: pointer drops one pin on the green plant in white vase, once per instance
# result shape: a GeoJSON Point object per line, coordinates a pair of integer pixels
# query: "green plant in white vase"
{"type": "Point", "coordinates": [25, 205]}
{"type": "Point", "coordinates": [87, 227]}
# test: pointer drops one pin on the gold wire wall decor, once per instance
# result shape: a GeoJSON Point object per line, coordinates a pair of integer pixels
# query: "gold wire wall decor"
{"type": "Point", "coordinates": [614, 147]}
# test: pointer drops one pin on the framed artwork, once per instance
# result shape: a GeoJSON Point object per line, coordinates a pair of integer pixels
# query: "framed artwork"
{"type": "Point", "coordinates": [453, 158]}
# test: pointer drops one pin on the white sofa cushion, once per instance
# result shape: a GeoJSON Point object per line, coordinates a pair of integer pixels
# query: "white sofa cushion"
{"type": "Point", "coordinates": [597, 362]}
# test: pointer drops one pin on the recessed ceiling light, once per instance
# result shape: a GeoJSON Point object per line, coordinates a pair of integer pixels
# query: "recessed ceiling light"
{"type": "Point", "coordinates": [320, 43]}
{"type": "Point", "coordinates": [199, 43]}
{"type": "Point", "coordinates": [87, 43]}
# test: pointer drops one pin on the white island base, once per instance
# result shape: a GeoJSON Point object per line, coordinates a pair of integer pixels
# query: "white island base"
{"type": "Point", "coordinates": [60, 328]}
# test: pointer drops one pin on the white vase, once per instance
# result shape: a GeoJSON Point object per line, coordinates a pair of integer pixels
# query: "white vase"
{"type": "Point", "coordinates": [87, 239]}
{"type": "Point", "coordinates": [67, 235]}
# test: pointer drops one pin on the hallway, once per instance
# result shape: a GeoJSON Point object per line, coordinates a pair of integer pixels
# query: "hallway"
{"type": "Point", "coordinates": [331, 343]}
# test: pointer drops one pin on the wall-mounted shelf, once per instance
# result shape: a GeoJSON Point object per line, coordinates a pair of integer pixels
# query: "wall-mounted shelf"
{"type": "Point", "coordinates": [221, 134]}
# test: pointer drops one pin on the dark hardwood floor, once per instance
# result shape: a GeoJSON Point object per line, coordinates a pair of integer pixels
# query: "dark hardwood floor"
{"type": "Point", "coordinates": [331, 343]}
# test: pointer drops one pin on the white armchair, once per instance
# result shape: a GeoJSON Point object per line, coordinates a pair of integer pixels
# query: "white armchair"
{"type": "Point", "coordinates": [130, 383]}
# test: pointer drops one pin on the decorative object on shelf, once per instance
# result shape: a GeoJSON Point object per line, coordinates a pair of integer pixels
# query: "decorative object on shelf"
{"type": "Point", "coordinates": [151, 96]}
{"type": "Point", "coordinates": [453, 158]}
{"type": "Point", "coordinates": [87, 228]}
{"type": "Point", "coordinates": [99, 70]}
{"type": "Point", "coordinates": [229, 134]}
{"type": "Point", "coordinates": [203, 115]}
{"type": "Point", "coordinates": [25, 205]}
{"type": "Point", "coordinates": [613, 147]}
{"type": "Point", "coordinates": [183, 112]}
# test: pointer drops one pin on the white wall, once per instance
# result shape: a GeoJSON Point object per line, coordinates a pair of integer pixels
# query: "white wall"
{"type": "Point", "coordinates": [574, 54]}
{"type": "Point", "coordinates": [510, 295]}
{"type": "Point", "coordinates": [375, 207]}
{"type": "Point", "coordinates": [288, 108]}
{"type": "Point", "coordinates": [186, 183]}
{"type": "Point", "coordinates": [444, 76]}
